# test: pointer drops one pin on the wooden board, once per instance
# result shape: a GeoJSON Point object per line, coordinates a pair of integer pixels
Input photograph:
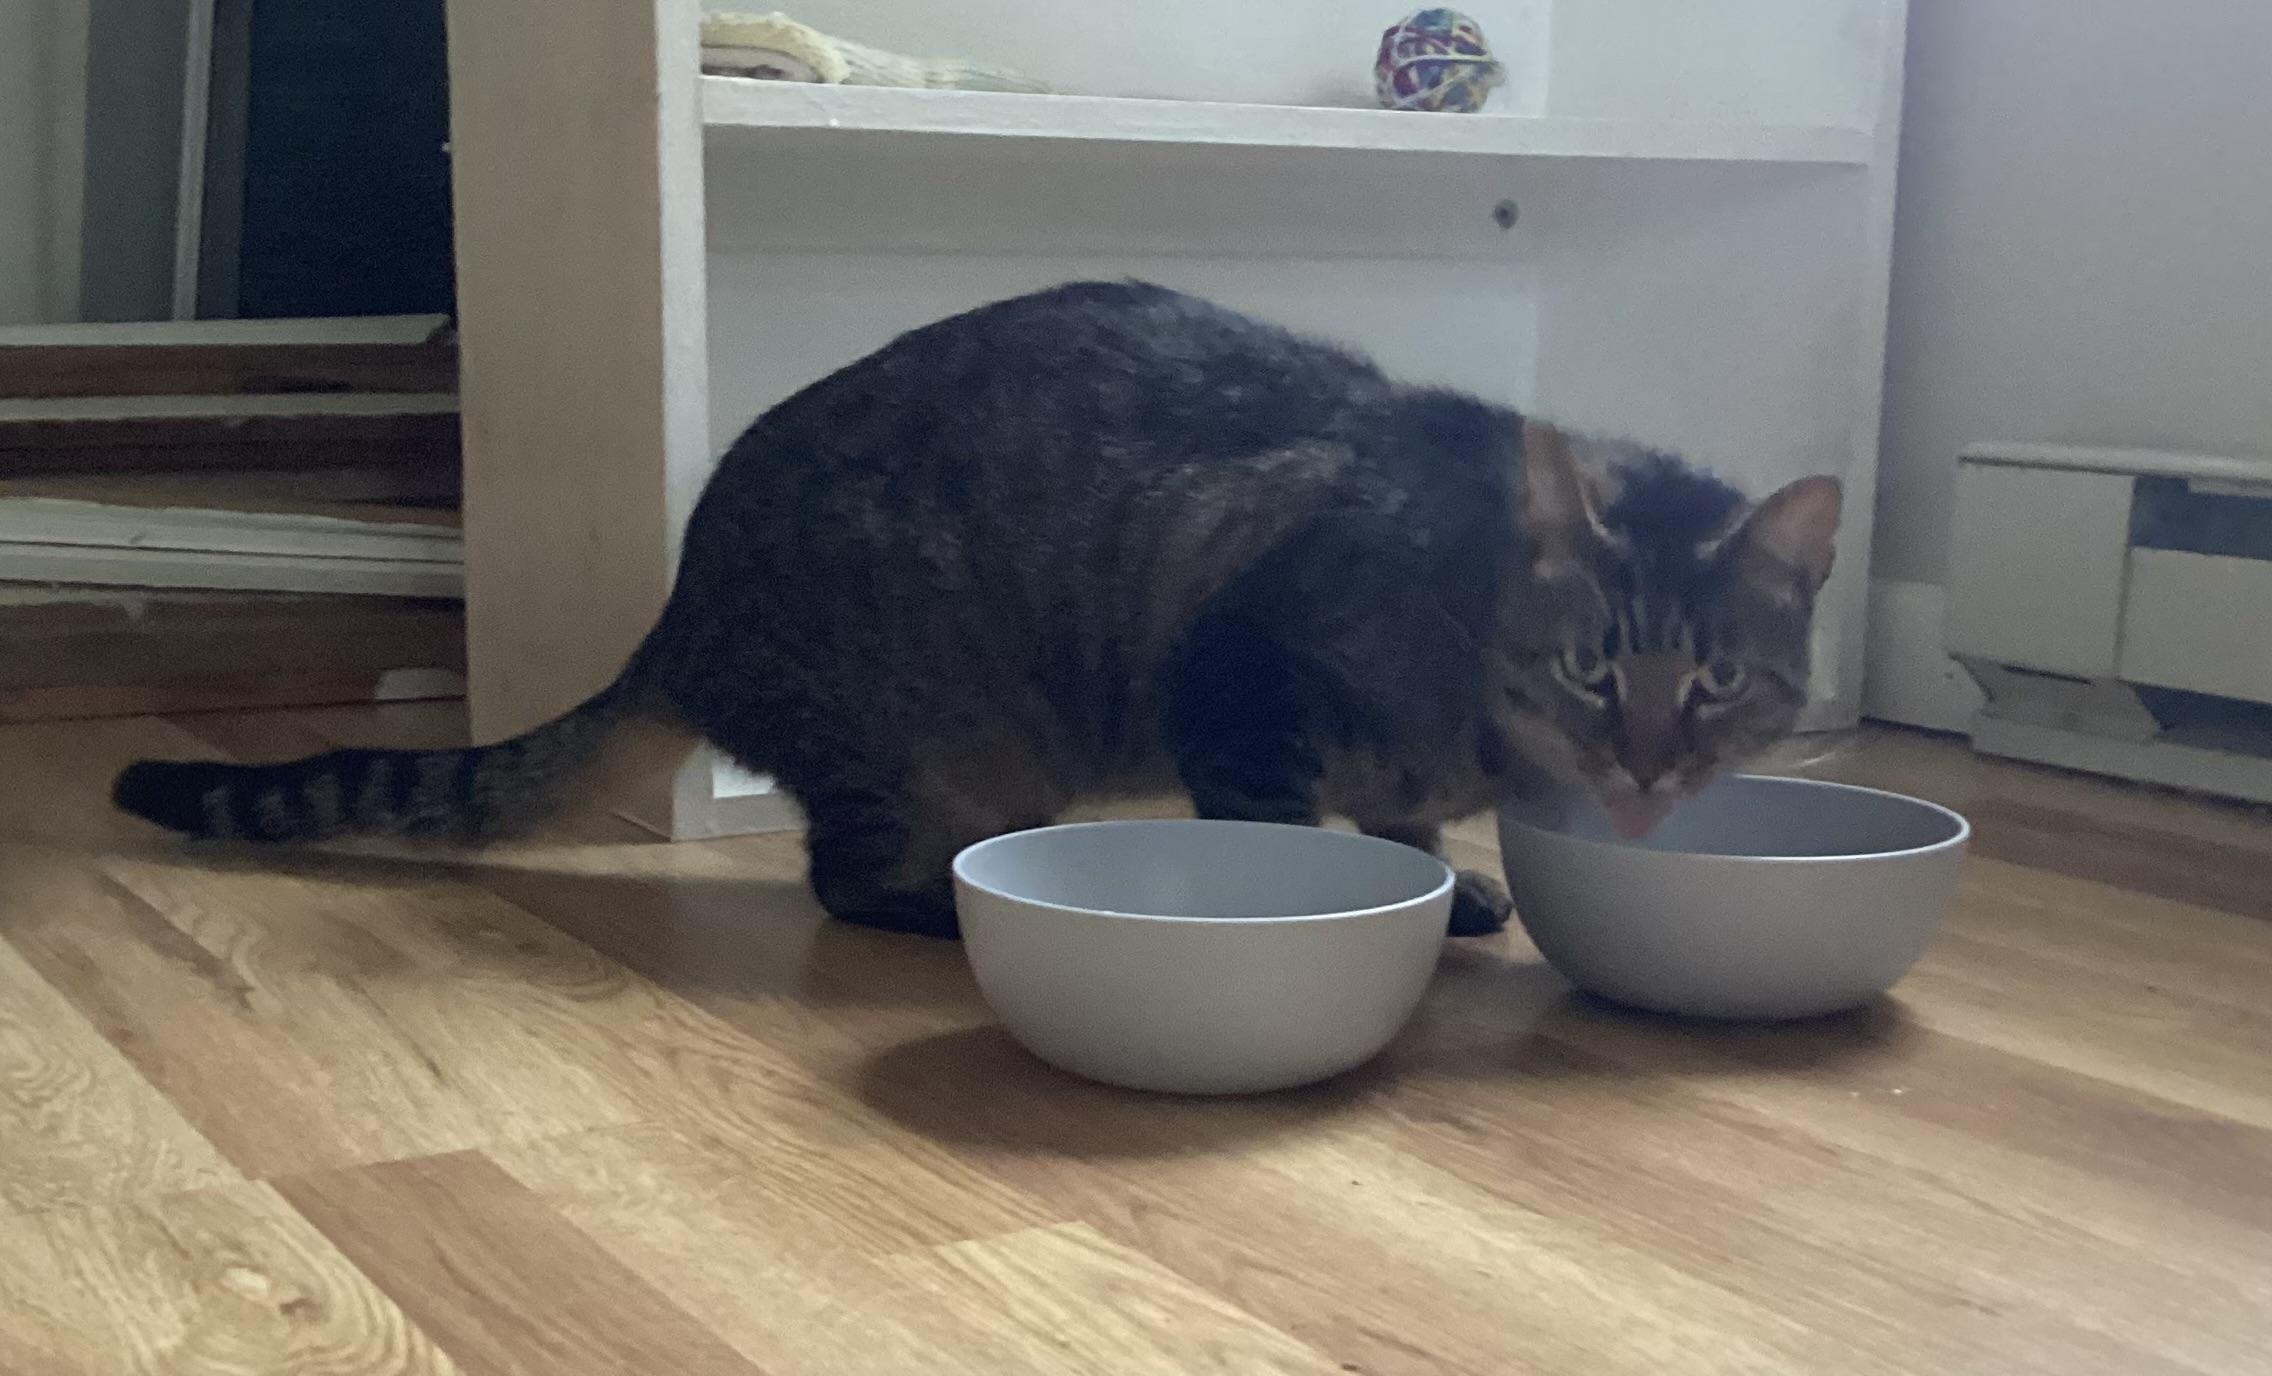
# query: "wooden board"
{"type": "Point", "coordinates": [737, 108]}
{"type": "Point", "coordinates": [125, 495]}
{"type": "Point", "coordinates": [111, 653]}
{"type": "Point", "coordinates": [581, 294]}
{"type": "Point", "coordinates": [77, 565]}
{"type": "Point", "coordinates": [410, 535]}
{"type": "Point", "coordinates": [103, 370]}
{"type": "Point", "coordinates": [361, 492]}
{"type": "Point", "coordinates": [43, 447]}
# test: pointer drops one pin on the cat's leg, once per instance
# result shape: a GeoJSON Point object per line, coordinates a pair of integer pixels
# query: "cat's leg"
{"type": "Point", "coordinates": [883, 854]}
{"type": "Point", "coordinates": [1480, 903]}
{"type": "Point", "coordinates": [877, 862]}
{"type": "Point", "coordinates": [1240, 729]}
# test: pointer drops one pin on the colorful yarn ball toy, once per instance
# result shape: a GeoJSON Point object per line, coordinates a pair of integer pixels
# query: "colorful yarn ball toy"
{"type": "Point", "coordinates": [1436, 59]}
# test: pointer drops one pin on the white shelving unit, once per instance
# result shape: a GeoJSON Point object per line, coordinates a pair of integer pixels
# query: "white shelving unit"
{"type": "Point", "coordinates": [1674, 223]}
{"type": "Point", "coordinates": [733, 108]}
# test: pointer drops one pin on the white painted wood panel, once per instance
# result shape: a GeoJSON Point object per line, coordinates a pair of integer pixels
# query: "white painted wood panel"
{"type": "Point", "coordinates": [2036, 571]}
{"type": "Point", "coordinates": [2199, 622]}
{"type": "Point", "coordinates": [921, 196]}
{"type": "Point", "coordinates": [2227, 772]}
{"type": "Point", "coordinates": [164, 568]}
{"type": "Point", "coordinates": [847, 305]}
{"type": "Point", "coordinates": [57, 521]}
{"type": "Point", "coordinates": [2243, 473]}
{"type": "Point", "coordinates": [736, 107]}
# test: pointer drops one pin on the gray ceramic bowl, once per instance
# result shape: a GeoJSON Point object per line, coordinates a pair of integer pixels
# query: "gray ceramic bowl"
{"type": "Point", "coordinates": [1758, 898]}
{"type": "Point", "coordinates": [1201, 957]}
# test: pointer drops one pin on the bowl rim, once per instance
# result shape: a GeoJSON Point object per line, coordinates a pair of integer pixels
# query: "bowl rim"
{"type": "Point", "coordinates": [1956, 841]}
{"type": "Point", "coordinates": [1445, 882]}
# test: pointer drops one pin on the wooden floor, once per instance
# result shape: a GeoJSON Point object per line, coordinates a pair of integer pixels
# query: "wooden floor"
{"type": "Point", "coordinates": [602, 1106]}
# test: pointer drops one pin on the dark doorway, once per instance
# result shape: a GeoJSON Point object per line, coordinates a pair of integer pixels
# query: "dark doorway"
{"type": "Point", "coordinates": [328, 176]}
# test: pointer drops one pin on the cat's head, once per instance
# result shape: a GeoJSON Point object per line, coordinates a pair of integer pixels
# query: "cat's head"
{"type": "Point", "coordinates": [1664, 622]}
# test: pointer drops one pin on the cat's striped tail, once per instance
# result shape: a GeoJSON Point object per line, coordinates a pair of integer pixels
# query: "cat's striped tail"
{"type": "Point", "coordinates": [471, 795]}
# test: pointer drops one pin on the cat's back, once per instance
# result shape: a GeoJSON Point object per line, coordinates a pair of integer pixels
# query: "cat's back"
{"type": "Point", "coordinates": [1125, 372]}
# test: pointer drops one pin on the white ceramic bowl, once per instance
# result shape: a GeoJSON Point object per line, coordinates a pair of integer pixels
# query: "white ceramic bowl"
{"type": "Point", "coordinates": [1758, 898]}
{"type": "Point", "coordinates": [1201, 957]}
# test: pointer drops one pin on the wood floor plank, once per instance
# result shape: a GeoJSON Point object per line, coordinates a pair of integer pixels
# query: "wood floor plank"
{"type": "Point", "coordinates": [294, 1037]}
{"type": "Point", "coordinates": [1828, 1239]}
{"type": "Point", "coordinates": [225, 1282]}
{"type": "Point", "coordinates": [1374, 1257]}
{"type": "Point", "coordinates": [2212, 1057]}
{"type": "Point", "coordinates": [2211, 954]}
{"type": "Point", "coordinates": [59, 772]}
{"type": "Point", "coordinates": [323, 1017]}
{"type": "Point", "coordinates": [2174, 865]}
{"type": "Point", "coordinates": [778, 1248]}
{"type": "Point", "coordinates": [501, 1281]}
{"type": "Point", "coordinates": [78, 1125]}
{"type": "Point", "coordinates": [1074, 1302]}
{"type": "Point", "coordinates": [2146, 1176]}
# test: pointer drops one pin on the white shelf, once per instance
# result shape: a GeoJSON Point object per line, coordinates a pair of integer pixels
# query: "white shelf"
{"type": "Point", "coordinates": [735, 107]}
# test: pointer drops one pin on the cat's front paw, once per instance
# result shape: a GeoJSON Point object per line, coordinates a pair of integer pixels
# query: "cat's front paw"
{"type": "Point", "coordinates": [1480, 905]}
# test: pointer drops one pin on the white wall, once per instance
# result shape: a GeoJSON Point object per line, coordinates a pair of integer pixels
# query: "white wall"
{"type": "Point", "coordinates": [26, 136]}
{"type": "Point", "coordinates": [2084, 247]}
{"type": "Point", "coordinates": [133, 156]}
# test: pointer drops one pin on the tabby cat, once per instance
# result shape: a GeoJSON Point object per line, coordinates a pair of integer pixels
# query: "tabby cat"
{"type": "Point", "coordinates": [1109, 538]}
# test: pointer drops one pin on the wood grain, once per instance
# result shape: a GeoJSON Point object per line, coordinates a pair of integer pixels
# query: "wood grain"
{"type": "Point", "coordinates": [505, 1284]}
{"type": "Point", "coordinates": [588, 1102]}
{"type": "Point", "coordinates": [77, 1125]}
{"type": "Point", "coordinates": [218, 1283]}
{"type": "Point", "coordinates": [1068, 1299]}
{"type": "Point", "coordinates": [580, 287]}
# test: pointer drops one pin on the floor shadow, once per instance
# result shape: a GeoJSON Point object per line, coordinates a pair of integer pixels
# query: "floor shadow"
{"type": "Point", "coordinates": [978, 1089]}
{"type": "Point", "coordinates": [1614, 1039]}
{"type": "Point", "coordinates": [705, 936]}
{"type": "Point", "coordinates": [1496, 1012]}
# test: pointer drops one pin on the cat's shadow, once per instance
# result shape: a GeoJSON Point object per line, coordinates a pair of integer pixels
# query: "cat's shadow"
{"type": "Point", "coordinates": [977, 1090]}
{"type": "Point", "coordinates": [1495, 1019]}
{"type": "Point", "coordinates": [707, 937]}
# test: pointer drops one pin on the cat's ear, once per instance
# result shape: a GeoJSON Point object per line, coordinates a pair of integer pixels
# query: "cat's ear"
{"type": "Point", "coordinates": [1555, 505]}
{"type": "Point", "coordinates": [1788, 544]}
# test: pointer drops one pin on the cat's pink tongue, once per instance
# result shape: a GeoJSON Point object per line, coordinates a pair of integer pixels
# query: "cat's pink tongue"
{"type": "Point", "coordinates": [1635, 815]}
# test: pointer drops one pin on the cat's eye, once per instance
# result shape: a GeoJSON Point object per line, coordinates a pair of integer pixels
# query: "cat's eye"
{"type": "Point", "coordinates": [1583, 668]}
{"type": "Point", "coordinates": [1720, 679]}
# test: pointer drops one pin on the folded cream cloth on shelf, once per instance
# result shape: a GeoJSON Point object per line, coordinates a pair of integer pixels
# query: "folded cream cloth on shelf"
{"type": "Point", "coordinates": [778, 48]}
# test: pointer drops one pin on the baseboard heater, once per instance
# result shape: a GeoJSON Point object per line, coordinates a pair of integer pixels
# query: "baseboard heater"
{"type": "Point", "coordinates": [2116, 608]}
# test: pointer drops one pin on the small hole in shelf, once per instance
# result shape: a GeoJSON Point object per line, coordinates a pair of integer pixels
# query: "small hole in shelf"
{"type": "Point", "coordinates": [1505, 213]}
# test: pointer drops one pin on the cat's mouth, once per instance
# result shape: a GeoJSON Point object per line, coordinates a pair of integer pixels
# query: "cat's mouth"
{"type": "Point", "coordinates": [1634, 812]}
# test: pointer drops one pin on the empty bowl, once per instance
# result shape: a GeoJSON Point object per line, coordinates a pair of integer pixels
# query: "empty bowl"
{"type": "Point", "coordinates": [1758, 898]}
{"type": "Point", "coordinates": [1201, 957]}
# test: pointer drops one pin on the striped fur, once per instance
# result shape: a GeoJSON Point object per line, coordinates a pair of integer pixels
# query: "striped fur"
{"type": "Point", "coordinates": [469, 795]}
